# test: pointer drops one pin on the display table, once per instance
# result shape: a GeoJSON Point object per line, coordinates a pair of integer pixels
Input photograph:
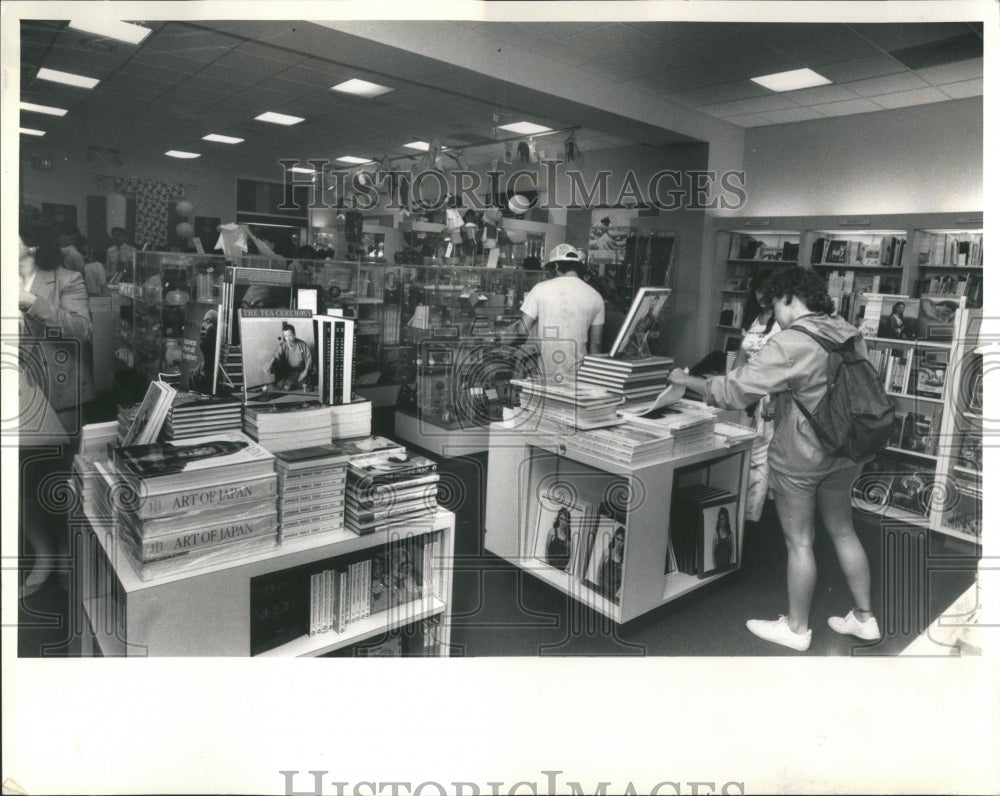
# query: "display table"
{"type": "Point", "coordinates": [524, 469]}
{"type": "Point", "coordinates": [441, 440]}
{"type": "Point", "coordinates": [206, 612]}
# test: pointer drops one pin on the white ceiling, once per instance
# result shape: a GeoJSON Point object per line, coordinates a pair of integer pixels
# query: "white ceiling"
{"type": "Point", "coordinates": [190, 79]}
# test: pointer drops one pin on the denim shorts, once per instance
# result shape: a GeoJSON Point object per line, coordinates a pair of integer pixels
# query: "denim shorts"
{"type": "Point", "coordinates": [793, 486]}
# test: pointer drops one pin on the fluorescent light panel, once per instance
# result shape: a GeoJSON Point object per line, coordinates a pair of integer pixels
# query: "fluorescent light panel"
{"type": "Point", "coordinates": [354, 160]}
{"type": "Point", "coordinates": [420, 146]}
{"type": "Point", "coordinates": [31, 131]}
{"type": "Point", "coordinates": [302, 170]}
{"type": "Point", "coordinates": [112, 29]}
{"type": "Point", "coordinates": [279, 118]}
{"type": "Point", "coordinates": [525, 128]}
{"type": "Point", "coordinates": [791, 81]}
{"type": "Point", "coordinates": [176, 153]}
{"type": "Point", "coordinates": [30, 106]}
{"type": "Point", "coordinates": [361, 88]}
{"type": "Point", "coordinates": [67, 78]}
{"type": "Point", "coordinates": [222, 139]}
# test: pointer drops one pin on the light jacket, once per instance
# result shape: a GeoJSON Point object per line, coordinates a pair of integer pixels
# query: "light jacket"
{"type": "Point", "coordinates": [790, 363]}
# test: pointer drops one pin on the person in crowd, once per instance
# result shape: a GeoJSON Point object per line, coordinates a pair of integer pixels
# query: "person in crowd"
{"type": "Point", "coordinates": [758, 327]}
{"type": "Point", "coordinates": [119, 254]}
{"type": "Point", "coordinates": [609, 571]}
{"type": "Point", "coordinates": [55, 383]}
{"type": "Point", "coordinates": [292, 360]}
{"type": "Point", "coordinates": [802, 475]}
{"type": "Point", "coordinates": [564, 315]}
{"type": "Point", "coordinates": [557, 544]}
{"type": "Point", "coordinates": [614, 314]}
{"type": "Point", "coordinates": [301, 266]}
{"type": "Point", "coordinates": [72, 247]}
{"type": "Point", "coordinates": [94, 274]}
{"type": "Point", "coordinates": [722, 544]}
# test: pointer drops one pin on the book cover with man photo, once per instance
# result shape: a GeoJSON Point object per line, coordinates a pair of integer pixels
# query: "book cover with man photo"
{"type": "Point", "coordinates": [254, 289]}
{"type": "Point", "coordinates": [279, 351]}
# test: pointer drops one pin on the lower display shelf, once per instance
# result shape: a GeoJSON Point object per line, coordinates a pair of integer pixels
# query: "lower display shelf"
{"type": "Point", "coordinates": [359, 631]}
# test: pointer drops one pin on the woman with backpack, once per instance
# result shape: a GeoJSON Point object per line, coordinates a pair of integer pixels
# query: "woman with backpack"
{"type": "Point", "coordinates": [792, 368]}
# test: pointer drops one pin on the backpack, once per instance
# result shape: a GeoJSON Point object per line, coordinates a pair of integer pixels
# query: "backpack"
{"type": "Point", "coordinates": [854, 419]}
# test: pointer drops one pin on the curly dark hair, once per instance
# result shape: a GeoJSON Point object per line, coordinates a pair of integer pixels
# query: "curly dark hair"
{"type": "Point", "coordinates": [795, 281]}
{"type": "Point", "coordinates": [752, 308]}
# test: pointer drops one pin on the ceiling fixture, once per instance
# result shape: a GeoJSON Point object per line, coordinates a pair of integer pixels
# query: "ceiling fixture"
{"type": "Point", "coordinates": [792, 80]}
{"type": "Point", "coordinates": [420, 146]}
{"type": "Point", "coordinates": [525, 128]}
{"type": "Point", "coordinates": [302, 170]}
{"type": "Point", "coordinates": [67, 78]}
{"type": "Point", "coordinates": [30, 131]}
{"type": "Point", "coordinates": [112, 29]}
{"type": "Point", "coordinates": [176, 153]}
{"type": "Point", "coordinates": [361, 88]}
{"type": "Point", "coordinates": [222, 139]}
{"type": "Point", "coordinates": [30, 106]}
{"type": "Point", "coordinates": [353, 160]}
{"type": "Point", "coordinates": [279, 118]}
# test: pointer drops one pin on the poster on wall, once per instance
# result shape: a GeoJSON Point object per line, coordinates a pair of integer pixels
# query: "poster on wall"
{"type": "Point", "coordinates": [608, 232]}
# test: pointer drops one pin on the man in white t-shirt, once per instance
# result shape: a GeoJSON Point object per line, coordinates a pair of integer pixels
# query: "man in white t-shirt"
{"type": "Point", "coordinates": [564, 316]}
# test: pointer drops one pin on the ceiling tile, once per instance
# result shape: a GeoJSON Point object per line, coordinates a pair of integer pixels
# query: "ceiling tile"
{"type": "Point", "coordinates": [612, 39]}
{"type": "Point", "coordinates": [791, 115]}
{"type": "Point", "coordinates": [287, 87]}
{"type": "Point", "coordinates": [847, 108]}
{"type": "Point", "coordinates": [749, 120]}
{"type": "Point", "coordinates": [820, 94]}
{"type": "Point", "coordinates": [888, 84]}
{"type": "Point", "coordinates": [816, 44]}
{"type": "Point", "coordinates": [235, 76]}
{"type": "Point", "coordinates": [906, 99]}
{"type": "Point", "coordinates": [952, 73]}
{"type": "Point", "coordinates": [861, 68]}
{"type": "Point", "coordinates": [742, 89]}
{"type": "Point", "coordinates": [311, 77]}
{"type": "Point", "coordinates": [668, 31]}
{"type": "Point", "coordinates": [560, 30]}
{"type": "Point", "coordinates": [894, 36]}
{"type": "Point", "coordinates": [568, 53]}
{"type": "Point", "coordinates": [513, 33]}
{"type": "Point", "coordinates": [273, 53]}
{"type": "Point", "coordinates": [967, 88]}
{"type": "Point", "coordinates": [616, 69]}
{"type": "Point", "coordinates": [254, 65]}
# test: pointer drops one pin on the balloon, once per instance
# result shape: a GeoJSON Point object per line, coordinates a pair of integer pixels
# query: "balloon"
{"type": "Point", "coordinates": [185, 208]}
{"type": "Point", "coordinates": [185, 231]}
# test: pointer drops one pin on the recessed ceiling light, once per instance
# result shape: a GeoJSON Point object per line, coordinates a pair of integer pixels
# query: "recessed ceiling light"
{"type": "Point", "coordinates": [279, 118]}
{"type": "Point", "coordinates": [30, 131]}
{"type": "Point", "coordinates": [113, 29]}
{"type": "Point", "coordinates": [525, 128]}
{"type": "Point", "coordinates": [361, 88]}
{"type": "Point", "coordinates": [67, 78]}
{"type": "Point", "coordinates": [30, 106]}
{"type": "Point", "coordinates": [354, 160]}
{"type": "Point", "coordinates": [420, 146]}
{"type": "Point", "coordinates": [222, 139]}
{"type": "Point", "coordinates": [791, 81]}
{"type": "Point", "coordinates": [302, 170]}
{"type": "Point", "coordinates": [176, 153]}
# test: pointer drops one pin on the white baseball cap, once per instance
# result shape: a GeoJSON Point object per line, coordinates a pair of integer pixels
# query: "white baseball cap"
{"type": "Point", "coordinates": [564, 252]}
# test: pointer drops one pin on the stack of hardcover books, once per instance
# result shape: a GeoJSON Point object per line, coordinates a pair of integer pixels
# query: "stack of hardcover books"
{"type": "Point", "coordinates": [281, 426]}
{"type": "Point", "coordinates": [389, 489]}
{"type": "Point", "coordinates": [703, 530]}
{"type": "Point", "coordinates": [633, 379]}
{"type": "Point", "coordinates": [624, 444]}
{"type": "Point", "coordinates": [690, 424]}
{"type": "Point", "coordinates": [195, 415]}
{"type": "Point", "coordinates": [573, 404]}
{"type": "Point", "coordinates": [311, 484]}
{"type": "Point", "coordinates": [191, 504]}
{"type": "Point", "coordinates": [352, 419]}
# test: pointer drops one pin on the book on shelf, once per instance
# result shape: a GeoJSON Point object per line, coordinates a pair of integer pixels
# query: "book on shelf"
{"type": "Point", "coordinates": [929, 372]}
{"type": "Point", "coordinates": [183, 562]}
{"type": "Point", "coordinates": [731, 313]}
{"type": "Point", "coordinates": [150, 415]}
{"type": "Point", "coordinates": [920, 433]}
{"type": "Point", "coordinates": [311, 458]}
{"type": "Point", "coordinates": [970, 452]}
{"type": "Point", "coordinates": [132, 496]}
{"type": "Point", "coordinates": [964, 513]}
{"type": "Point", "coordinates": [603, 557]}
{"type": "Point", "coordinates": [738, 277]}
{"type": "Point", "coordinates": [382, 495]}
{"type": "Point", "coordinates": [911, 488]}
{"type": "Point", "coordinates": [559, 526]}
{"type": "Point", "coordinates": [387, 468]}
{"type": "Point", "coordinates": [279, 609]}
{"type": "Point", "coordinates": [789, 251]}
{"type": "Point", "coordinates": [200, 347]}
{"type": "Point", "coordinates": [278, 349]}
{"type": "Point", "coordinates": [336, 352]}
{"type": "Point", "coordinates": [198, 534]}
{"type": "Point", "coordinates": [357, 449]}
{"type": "Point", "coordinates": [836, 252]}
{"type": "Point", "coordinates": [875, 306]}
{"type": "Point", "coordinates": [252, 289]}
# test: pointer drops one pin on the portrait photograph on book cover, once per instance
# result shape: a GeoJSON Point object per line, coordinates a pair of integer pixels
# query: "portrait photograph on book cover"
{"type": "Point", "coordinates": [718, 538]}
{"type": "Point", "coordinates": [279, 352]}
{"type": "Point", "coordinates": [936, 318]}
{"type": "Point", "coordinates": [557, 532]}
{"type": "Point", "coordinates": [200, 348]}
{"type": "Point", "coordinates": [899, 319]}
{"type": "Point", "coordinates": [642, 324]}
{"type": "Point", "coordinates": [605, 558]}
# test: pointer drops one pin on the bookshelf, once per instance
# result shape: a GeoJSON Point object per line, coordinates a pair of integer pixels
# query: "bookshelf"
{"type": "Point", "coordinates": [528, 471]}
{"type": "Point", "coordinates": [207, 611]}
{"type": "Point", "coordinates": [950, 263]}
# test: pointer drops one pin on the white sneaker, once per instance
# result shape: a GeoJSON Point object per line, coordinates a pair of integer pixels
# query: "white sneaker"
{"type": "Point", "coordinates": [779, 632]}
{"type": "Point", "coordinates": [850, 625]}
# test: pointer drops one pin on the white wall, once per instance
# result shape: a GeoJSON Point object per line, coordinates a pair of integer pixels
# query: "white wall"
{"type": "Point", "coordinates": [909, 160]}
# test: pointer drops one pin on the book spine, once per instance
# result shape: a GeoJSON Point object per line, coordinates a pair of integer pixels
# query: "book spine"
{"type": "Point", "coordinates": [338, 363]}
{"type": "Point", "coordinates": [313, 597]}
{"type": "Point", "coordinates": [361, 516]}
{"type": "Point", "coordinates": [200, 498]}
{"type": "Point", "coordinates": [366, 478]}
{"type": "Point", "coordinates": [350, 356]}
{"type": "Point", "coordinates": [327, 391]}
{"type": "Point", "coordinates": [225, 532]}
{"type": "Point", "coordinates": [366, 588]}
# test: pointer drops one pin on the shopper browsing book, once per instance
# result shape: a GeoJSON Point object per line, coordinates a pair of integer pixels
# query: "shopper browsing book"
{"type": "Point", "coordinates": [803, 476]}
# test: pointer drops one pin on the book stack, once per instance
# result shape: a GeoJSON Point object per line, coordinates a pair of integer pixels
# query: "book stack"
{"type": "Point", "coordinates": [353, 419]}
{"type": "Point", "coordinates": [141, 424]}
{"type": "Point", "coordinates": [389, 489]}
{"type": "Point", "coordinates": [311, 490]}
{"type": "Point", "coordinates": [575, 404]}
{"type": "Point", "coordinates": [690, 424]}
{"type": "Point", "coordinates": [195, 415]}
{"type": "Point", "coordinates": [624, 444]}
{"type": "Point", "coordinates": [633, 379]}
{"type": "Point", "coordinates": [336, 346]}
{"type": "Point", "coordinates": [86, 481]}
{"type": "Point", "coordinates": [703, 525]}
{"type": "Point", "coordinates": [281, 426]}
{"type": "Point", "coordinates": [184, 505]}
{"type": "Point", "coordinates": [97, 439]}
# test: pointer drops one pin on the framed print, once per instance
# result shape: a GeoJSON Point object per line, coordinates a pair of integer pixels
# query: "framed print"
{"type": "Point", "coordinates": [558, 532]}
{"type": "Point", "coordinates": [642, 320]}
{"type": "Point", "coordinates": [606, 558]}
{"type": "Point", "coordinates": [717, 544]}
